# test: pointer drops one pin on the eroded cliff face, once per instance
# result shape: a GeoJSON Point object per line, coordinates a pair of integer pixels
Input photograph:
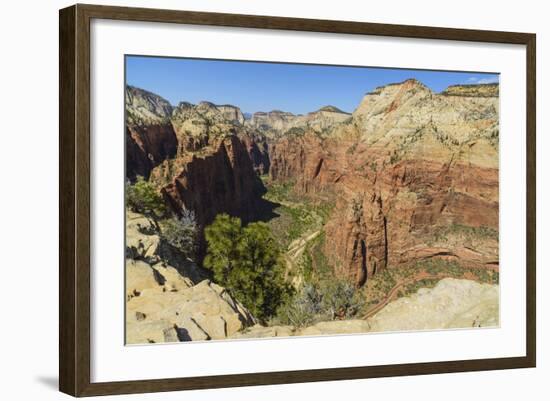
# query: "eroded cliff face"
{"type": "Point", "coordinates": [411, 163]}
{"type": "Point", "coordinates": [221, 179]}
{"type": "Point", "coordinates": [201, 157]}
{"type": "Point", "coordinates": [413, 174]}
{"type": "Point", "coordinates": [276, 123]}
{"type": "Point", "coordinates": [150, 137]}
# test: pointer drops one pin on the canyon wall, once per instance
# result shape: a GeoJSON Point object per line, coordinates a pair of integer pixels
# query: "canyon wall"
{"type": "Point", "coordinates": [200, 157]}
{"type": "Point", "coordinates": [413, 174]}
{"type": "Point", "coordinates": [409, 164]}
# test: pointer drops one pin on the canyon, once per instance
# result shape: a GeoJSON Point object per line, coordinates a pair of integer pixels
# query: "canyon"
{"type": "Point", "coordinates": [409, 177]}
{"type": "Point", "coordinates": [406, 163]}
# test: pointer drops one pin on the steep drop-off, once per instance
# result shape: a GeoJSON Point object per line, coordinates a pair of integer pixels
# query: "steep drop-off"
{"type": "Point", "coordinates": [413, 173]}
{"type": "Point", "coordinates": [409, 164]}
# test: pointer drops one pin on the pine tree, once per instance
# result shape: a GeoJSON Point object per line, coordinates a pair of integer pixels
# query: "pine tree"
{"type": "Point", "coordinates": [247, 261]}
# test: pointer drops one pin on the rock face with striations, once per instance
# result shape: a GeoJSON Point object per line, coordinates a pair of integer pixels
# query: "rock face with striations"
{"type": "Point", "coordinates": [150, 137]}
{"type": "Point", "coordinates": [408, 163]}
{"type": "Point", "coordinates": [201, 156]}
{"type": "Point", "coordinates": [220, 180]}
{"type": "Point", "coordinates": [413, 173]}
{"type": "Point", "coordinates": [276, 123]}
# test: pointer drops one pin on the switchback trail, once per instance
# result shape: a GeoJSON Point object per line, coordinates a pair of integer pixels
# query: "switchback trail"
{"type": "Point", "coordinates": [297, 247]}
{"type": "Point", "coordinates": [391, 294]}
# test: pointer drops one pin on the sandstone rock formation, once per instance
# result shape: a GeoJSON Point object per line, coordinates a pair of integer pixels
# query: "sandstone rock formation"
{"type": "Point", "coordinates": [480, 90]}
{"type": "Point", "coordinates": [410, 170]}
{"type": "Point", "coordinates": [150, 138]}
{"type": "Point", "coordinates": [451, 303]}
{"type": "Point", "coordinates": [409, 161]}
{"type": "Point", "coordinates": [276, 123]}
{"type": "Point", "coordinates": [201, 157]}
{"type": "Point", "coordinates": [413, 176]}
{"type": "Point", "coordinates": [166, 303]}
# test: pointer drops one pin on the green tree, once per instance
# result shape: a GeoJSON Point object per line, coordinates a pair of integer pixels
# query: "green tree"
{"type": "Point", "coordinates": [222, 237]}
{"type": "Point", "coordinates": [247, 261]}
{"type": "Point", "coordinates": [142, 197]}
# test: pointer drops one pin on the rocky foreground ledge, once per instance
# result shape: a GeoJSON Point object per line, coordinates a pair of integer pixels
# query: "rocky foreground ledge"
{"type": "Point", "coordinates": [168, 300]}
{"type": "Point", "coordinates": [452, 303]}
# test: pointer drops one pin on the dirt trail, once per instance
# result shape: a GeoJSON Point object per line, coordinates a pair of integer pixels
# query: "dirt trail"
{"type": "Point", "coordinates": [297, 247]}
{"type": "Point", "coordinates": [393, 292]}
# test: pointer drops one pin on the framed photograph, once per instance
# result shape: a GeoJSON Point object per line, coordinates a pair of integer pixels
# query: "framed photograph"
{"type": "Point", "coordinates": [250, 200]}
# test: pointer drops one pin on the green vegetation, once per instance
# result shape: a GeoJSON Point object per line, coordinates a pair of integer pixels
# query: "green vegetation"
{"type": "Point", "coordinates": [302, 310]}
{"type": "Point", "coordinates": [442, 232]}
{"type": "Point", "coordinates": [143, 197]}
{"type": "Point", "coordinates": [335, 299]}
{"type": "Point", "coordinates": [247, 262]}
{"type": "Point", "coordinates": [414, 287]}
{"type": "Point", "coordinates": [278, 192]}
{"type": "Point", "coordinates": [181, 233]}
{"type": "Point", "coordinates": [296, 214]}
{"type": "Point", "coordinates": [314, 265]}
{"type": "Point", "coordinates": [451, 268]}
{"type": "Point", "coordinates": [468, 236]}
{"type": "Point", "coordinates": [320, 295]}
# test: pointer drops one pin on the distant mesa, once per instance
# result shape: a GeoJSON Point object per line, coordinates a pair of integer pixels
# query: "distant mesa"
{"type": "Point", "coordinates": [473, 90]}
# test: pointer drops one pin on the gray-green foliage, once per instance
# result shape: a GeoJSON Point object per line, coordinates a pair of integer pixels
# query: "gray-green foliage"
{"type": "Point", "coordinates": [330, 300]}
{"type": "Point", "coordinates": [341, 299]}
{"type": "Point", "coordinates": [304, 309]}
{"type": "Point", "coordinates": [181, 233]}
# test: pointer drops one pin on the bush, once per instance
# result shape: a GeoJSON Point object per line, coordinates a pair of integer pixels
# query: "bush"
{"type": "Point", "coordinates": [142, 197]}
{"type": "Point", "coordinates": [302, 310]}
{"type": "Point", "coordinates": [331, 300]}
{"type": "Point", "coordinates": [341, 299]}
{"type": "Point", "coordinates": [247, 262]}
{"type": "Point", "coordinates": [181, 233]}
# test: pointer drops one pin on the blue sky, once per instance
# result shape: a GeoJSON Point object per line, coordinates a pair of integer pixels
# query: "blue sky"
{"type": "Point", "coordinates": [253, 86]}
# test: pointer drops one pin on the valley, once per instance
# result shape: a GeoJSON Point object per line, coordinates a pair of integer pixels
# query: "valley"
{"type": "Point", "coordinates": [349, 215]}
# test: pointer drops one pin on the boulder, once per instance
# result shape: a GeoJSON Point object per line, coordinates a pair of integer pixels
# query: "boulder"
{"type": "Point", "coordinates": [158, 331]}
{"type": "Point", "coordinates": [142, 241]}
{"type": "Point", "coordinates": [188, 330]}
{"type": "Point", "coordinates": [139, 276]}
{"type": "Point", "coordinates": [201, 312]}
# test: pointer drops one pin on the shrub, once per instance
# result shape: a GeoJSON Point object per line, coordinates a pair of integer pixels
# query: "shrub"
{"type": "Point", "coordinates": [304, 309]}
{"type": "Point", "coordinates": [142, 197]}
{"type": "Point", "coordinates": [181, 233]}
{"type": "Point", "coordinates": [341, 299]}
{"type": "Point", "coordinates": [247, 262]}
{"type": "Point", "coordinates": [331, 300]}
